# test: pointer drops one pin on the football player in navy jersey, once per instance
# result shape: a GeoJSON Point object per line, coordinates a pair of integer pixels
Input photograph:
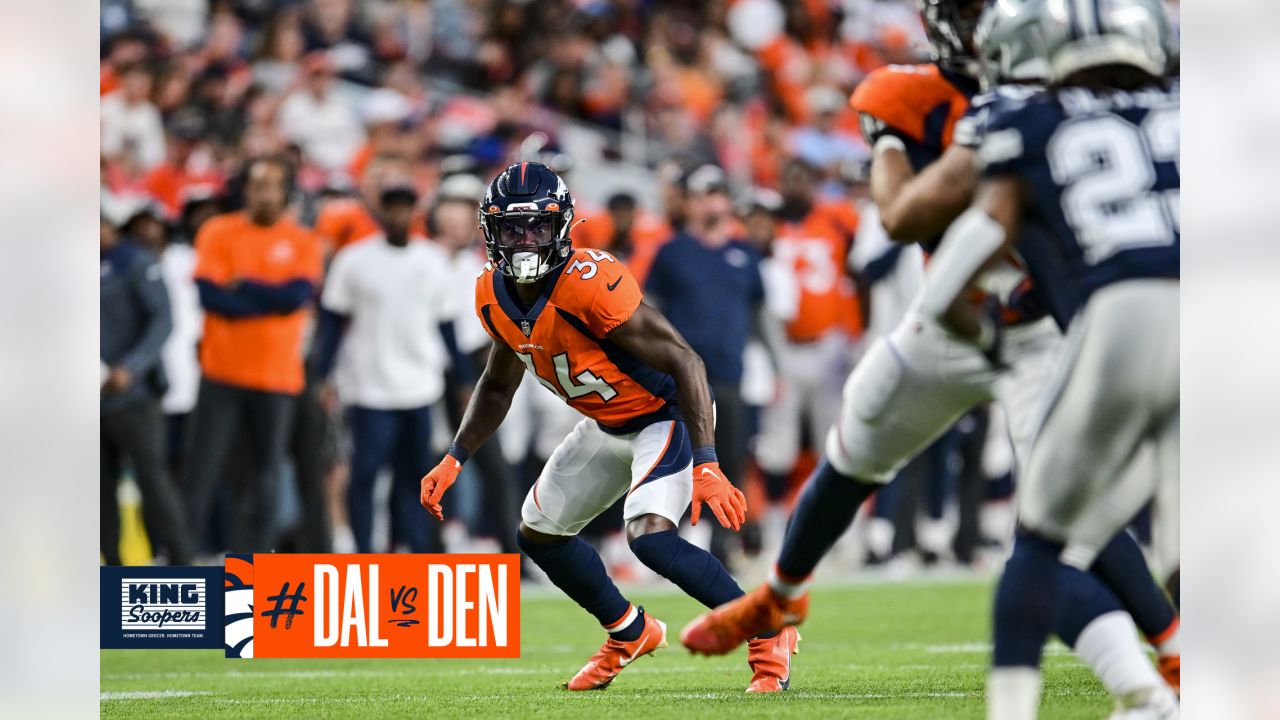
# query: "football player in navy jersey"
{"type": "Point", "coordinates": [913, 392]}
{"type": "Point", "coordinates": [1090, 166]}
{"type": "Point", "coordinates": [1093, 624]}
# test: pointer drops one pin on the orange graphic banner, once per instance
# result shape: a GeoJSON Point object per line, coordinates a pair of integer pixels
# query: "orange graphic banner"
{"type": "Point", "coordinates": [384, 606]}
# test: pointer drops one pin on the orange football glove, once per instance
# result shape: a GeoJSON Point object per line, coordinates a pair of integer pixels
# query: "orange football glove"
{"type": "Point", "coordinates": [727, 502]}
{"type": "Point", "coordinates": [434, 484]}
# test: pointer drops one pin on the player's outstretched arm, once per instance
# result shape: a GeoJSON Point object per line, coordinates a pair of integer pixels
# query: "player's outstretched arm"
{"type": "Point", "coordinates": [488, 407]}
{"type": "Point", "coordinates": [650, 337]}
{"type": "Point", "coordinates": [926, 204]}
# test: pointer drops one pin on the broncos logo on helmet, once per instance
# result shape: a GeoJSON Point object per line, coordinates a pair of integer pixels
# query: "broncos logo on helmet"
{"type": "Point", "coordinates": [526, 215]}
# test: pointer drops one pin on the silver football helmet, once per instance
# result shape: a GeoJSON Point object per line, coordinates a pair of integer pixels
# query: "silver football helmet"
{"type": "Point", "coordinates": [1010, 43]}
{"type": "Point", "coordinates": [1072, 35]}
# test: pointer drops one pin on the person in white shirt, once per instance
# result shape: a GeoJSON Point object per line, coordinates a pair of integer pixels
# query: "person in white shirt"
{"type": "Point", "coordinates": [452, 223]}
{"type": "Point", "coordinates": [131, 124]}
{"type": "Point", "coordinates": [386, 316]}
{"type": "Point", "coordinates": [325, 125]}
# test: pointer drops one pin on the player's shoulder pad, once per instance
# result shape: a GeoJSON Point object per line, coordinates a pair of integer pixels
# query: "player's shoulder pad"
{"type": "Point", "coordinates": [971, 128]}
{"type": "Point", "coordinates": [594, 278]}
{"type": "Point", "coordinates": [484, 286]}
{"type": "Point", "coordinates": [1018, 129]}
{"type": "Point", "coordinates": [901, 96]}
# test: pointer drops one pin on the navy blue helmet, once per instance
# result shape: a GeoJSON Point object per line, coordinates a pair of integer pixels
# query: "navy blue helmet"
{"type": "Point", "coordinates": [526, 214]}
{"type": "Point", "coordinates": [949, 25]}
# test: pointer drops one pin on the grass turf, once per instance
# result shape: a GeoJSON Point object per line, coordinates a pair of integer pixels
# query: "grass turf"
{"type": "Point", "coordinates": [909, 650]}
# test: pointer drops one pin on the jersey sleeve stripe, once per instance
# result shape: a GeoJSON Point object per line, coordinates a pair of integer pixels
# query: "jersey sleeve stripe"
{"type": "Point", "coordinates": [486, 312]}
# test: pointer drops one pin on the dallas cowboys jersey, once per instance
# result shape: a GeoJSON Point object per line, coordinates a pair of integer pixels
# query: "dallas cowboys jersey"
{"type": "Point", "coordinates": [1101, 172]}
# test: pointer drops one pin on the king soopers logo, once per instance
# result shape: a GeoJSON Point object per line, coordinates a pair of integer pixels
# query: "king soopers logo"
{"type": "Point", "coordinates": [163, 604]}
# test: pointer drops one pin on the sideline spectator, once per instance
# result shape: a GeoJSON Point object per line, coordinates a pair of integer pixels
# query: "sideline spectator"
{"type": "Point", "coordinates": [132, 130]}
{"type": "Point", "coordinates": [389, 304]}
{"type": "Point", "coordinates": [256, 271]}
{"type": "Point", "coordinates": [809, 249]}
{"type": "Point", "coordinates": [181, 351]}
{"type": "Point", "coordinates": [452, 220]}
{"type": "Point", "coordinates": [708, 284]}
{"type": "Point", "coordinates": [324, 125]}
{"type": "Point", "coordinates": [134, 316]}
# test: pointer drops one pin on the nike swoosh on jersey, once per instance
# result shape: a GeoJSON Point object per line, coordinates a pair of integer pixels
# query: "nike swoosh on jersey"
{"type": "Point", "coordinates": [614, 284]}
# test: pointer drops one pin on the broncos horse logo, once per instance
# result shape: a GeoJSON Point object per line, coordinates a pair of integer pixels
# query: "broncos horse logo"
{"type": "Point", "coordinates": [238, 619]}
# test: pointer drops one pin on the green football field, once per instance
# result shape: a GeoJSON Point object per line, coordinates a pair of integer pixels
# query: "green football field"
{"type": "Point", "coordinates": [903, 650]}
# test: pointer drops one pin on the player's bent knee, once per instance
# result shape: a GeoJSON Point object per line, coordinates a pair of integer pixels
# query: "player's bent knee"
{"type": "Point", "coordinates": [646, 525]}
{"type": "Point", "coordinates": [867, 468]}
{"type": "Point", "coordinates": [528, 535]}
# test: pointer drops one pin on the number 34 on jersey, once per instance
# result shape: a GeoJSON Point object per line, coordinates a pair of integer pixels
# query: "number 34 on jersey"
{"type": "Point", "coordinates": [562, 337]}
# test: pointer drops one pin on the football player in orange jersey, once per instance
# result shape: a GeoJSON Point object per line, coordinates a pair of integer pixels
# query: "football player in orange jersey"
{"type": "Point", "coordinates": [574, 319]}
{"type": "Point", "coordinates": [914, 383]}
{"type": "Point", "coordinates": [809, 247]}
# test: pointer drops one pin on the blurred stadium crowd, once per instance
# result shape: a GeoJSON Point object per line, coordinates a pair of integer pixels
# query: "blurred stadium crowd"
{"type": "Point", "coordinates": [721, 125]}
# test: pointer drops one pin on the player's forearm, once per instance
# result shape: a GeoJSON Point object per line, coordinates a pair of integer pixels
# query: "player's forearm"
{"type": "Point", "coordinates": [694, 395]}
{"type": "Point", "coordinates": [488, 408]}
{"type": "Point", "coordinates": [971, 242]}
{"type": "Point", "coordinates": [890, 172]}
{"type": "Point", "coordinates": [926, 204]}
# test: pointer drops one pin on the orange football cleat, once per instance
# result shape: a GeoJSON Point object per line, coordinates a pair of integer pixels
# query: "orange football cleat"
{"type": "Point", "coordinates": [728, 626]}
{"type": "Point", "coordinates": [1170, 667]}
{"type": "Point", "coordinates": [615, 655]}
{"type": "Point", "coordinates": [770, 660]}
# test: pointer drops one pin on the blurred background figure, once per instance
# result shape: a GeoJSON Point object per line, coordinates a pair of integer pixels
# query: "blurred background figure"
{"type": "Point", "coordinates": [707, 281]}
{"type": "Point", "coordinates": [817, 306]}
{"type": "Point", "coordinates": [256, 271]}
{"type": "Point", "coordinates": [181, 353]}
{"type": "Point", "coordinates": [453, 225]}
{"type": "Point", "coordinates": [134, 310]}
{"type": "Point", "coordinates": [318, 120]}
{"type": "Point", "coordinates": [387, 317]}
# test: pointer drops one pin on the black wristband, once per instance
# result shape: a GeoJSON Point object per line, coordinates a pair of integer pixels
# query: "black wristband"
{"type": "Point", "coordinates": [704, 455]}
{"type": "Point", "coordinates": [459, 453]}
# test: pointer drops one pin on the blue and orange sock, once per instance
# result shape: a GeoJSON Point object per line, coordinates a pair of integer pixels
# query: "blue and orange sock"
{"type": "Point", "coordinates": [1026, 604]}
{"type": "Point", "coordinates": [629, 626]}
{"type": "Point", "coordinates": [1123, 568]}
{"type": "Point", "coordinates": [1083, 598]}
{"type": "Point", "coordinates": [692, 569]}
{"type": "Point", "coordinates": [575, 567]}
{"type": "Point", "coordinates": [825, 509]}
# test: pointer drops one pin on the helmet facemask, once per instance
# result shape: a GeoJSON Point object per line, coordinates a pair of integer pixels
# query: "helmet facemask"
{"type": "Point", "coordinates": [527, 244]}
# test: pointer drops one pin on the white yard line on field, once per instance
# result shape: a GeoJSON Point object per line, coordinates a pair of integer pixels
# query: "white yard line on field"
{"type": "Point", "coordinates": [150, 694]}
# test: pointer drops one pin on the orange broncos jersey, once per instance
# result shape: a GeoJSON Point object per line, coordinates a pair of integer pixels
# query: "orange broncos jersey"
{"type": "Point", "coordinates": [923, 104]}
{"type": "Point", "coordinates": [563, 340]}
{"type": "Point", "coordinates": [815, 249]}
{"type": "Point", "coordinates": [919, 102]}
